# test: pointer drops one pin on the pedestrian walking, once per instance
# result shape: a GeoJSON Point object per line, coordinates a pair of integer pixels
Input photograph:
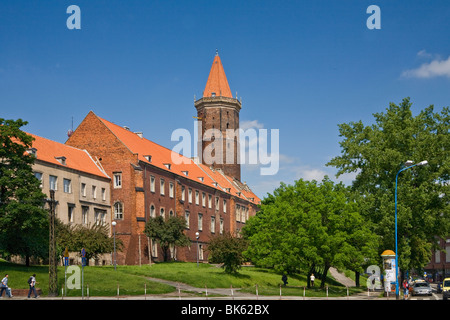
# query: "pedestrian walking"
{"type": "Point", "coordinates": [32, 283]}
{"type": "Point", "coordinates": [405, 289]}
{"type": "Point", "coordinates": [284, 279]}
{"type": "Point", "coordinates": [4, 287]}
{"type": "Point", "coordinates": [312, 278]}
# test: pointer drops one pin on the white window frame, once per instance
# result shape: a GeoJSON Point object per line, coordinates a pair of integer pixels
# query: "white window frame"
{"type": "Point", "coordinates": [200, 222]}
{"type": "Point", "coordinates": [187, 215]}
{"type": "Point", "coordinates": [117, 180]}
{"type": "Point", "coordinates": [152, 183]}
{"type": "Point", "coordinates": [53, 182]}
{"type": "Point", "coordinates": [118, 215]}
{"type": "Point", "coordinates": [171, 190]}
{"type": "Point", "coordinates": [162, 185]}
{"type": "Point", "coordinates": [67, 185]}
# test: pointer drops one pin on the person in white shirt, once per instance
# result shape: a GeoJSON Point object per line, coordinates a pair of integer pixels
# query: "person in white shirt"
{"type": "Point", "coordinates": [32, 283]}
{"type": "Point", "coordinates": [312, 279]}
{"type": "Point", "coordinates": [4, 287]}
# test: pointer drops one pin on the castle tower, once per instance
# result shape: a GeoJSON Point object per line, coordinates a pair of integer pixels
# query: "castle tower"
{"type": "Point", "coordinates": [218, 114]}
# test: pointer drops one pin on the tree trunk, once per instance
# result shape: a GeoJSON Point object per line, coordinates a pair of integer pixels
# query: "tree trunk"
{"type": "Point", "coordinates": [324, 276]}
{"type": "Point", "coordinates": [357, 279]}
{"type": "Point", "coordinates": [27, 260]}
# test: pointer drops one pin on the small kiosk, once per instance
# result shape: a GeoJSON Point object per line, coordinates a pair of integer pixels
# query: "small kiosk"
{"type": "Point", "coordinates": [389, 271]}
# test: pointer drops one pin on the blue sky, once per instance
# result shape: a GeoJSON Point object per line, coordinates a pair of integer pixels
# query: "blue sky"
{"type": "Point", "coordinates": [301, 67]}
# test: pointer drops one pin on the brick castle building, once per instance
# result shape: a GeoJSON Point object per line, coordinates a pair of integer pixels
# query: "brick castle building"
{"type": "Point", "coordinates": [145, 182]}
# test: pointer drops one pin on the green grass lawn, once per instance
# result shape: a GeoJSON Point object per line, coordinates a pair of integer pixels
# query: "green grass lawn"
{"type": "Point", "coordinates": [103, 280]}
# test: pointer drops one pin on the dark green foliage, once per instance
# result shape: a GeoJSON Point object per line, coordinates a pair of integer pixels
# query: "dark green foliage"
{"type": "Point", "coordinates": [23, 220]}
{"type": "Point", "coordinates": [228, 250]}
{"type": "Point", "coordinates": [94, 239]}
{"type": "Point", "coordinates": [376, 153]}
{"type": "Point", "coordinates": [167, 232]}
{"type": "Point", "coordinates": [309, 226]}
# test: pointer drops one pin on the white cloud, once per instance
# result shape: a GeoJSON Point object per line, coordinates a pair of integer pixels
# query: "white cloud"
{"type": "Point", "coordinates": [247, 124]}
{"type": "Point", "coordinates": [435, 68]}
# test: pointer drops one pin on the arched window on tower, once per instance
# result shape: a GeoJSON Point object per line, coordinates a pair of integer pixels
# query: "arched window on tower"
{"type": "Point", "coordinates": [118, 211]}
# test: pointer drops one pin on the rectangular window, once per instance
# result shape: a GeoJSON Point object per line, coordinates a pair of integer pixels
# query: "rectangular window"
{"type": "Point", "coordinates": [171, 193]}
{"type": "Point", "coordinates": [190, 195]}
{"type": "Point", "coordinates": [152, 183]}
{"type": "Point", "coordinates": [103, 214]}
{"type": "Point", "coordinates": [224, 205]}
{"type": "Point", "coordinates": [447, 254]}
{"type": "Point", "coordinates": [67, 184]}
{"type": "Point", "coordinates": [200, 222]}
{"type": "Point", "coordinates": [238, 213]}
{"type": "Point", "coordinates": [209, 201]}
{"type": "Point", "coordinates": [183, 193]}
{"type": "Point", "coordinates": [53, 183]}
{"type": "Point", "coordinates": [213, 224]}
{"type": "Point", "coordinates": [103, 194]}
{"type": "Point", "coordinates": [186, 216]}
{"type": "Point", "coordinates": [200, 252]}
{"type": "Point", "coordinates": [38, 176]}
{"type": "Point", "coordinates": [83, 189]}
{"type": "Point", "coordinates": [203, 199]}
{"type": "Point", "coordinates": [197, 197]}
{"type": "Point", "coordinates": [117, 180]}
{"type": "Point", "coordinates": [217, 203]}
{"type": "Point", "coordinates": [94, 192]}
{"type": "Point", "coordinates": [162, 187]}
{"type": "Point", "coordinates": [221, 226]}
{"type": "Point", "coordinates": [70, 213]}
{"type": "Point", "coordinates": [84, 214]}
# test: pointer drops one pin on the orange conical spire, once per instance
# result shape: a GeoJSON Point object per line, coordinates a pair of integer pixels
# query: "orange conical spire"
{"type": "Point", "coordinates": [217, 84]}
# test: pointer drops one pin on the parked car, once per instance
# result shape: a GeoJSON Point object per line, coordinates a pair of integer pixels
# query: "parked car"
{"type": "Point", "coordinates": [446, 288]}
{"type": "Point", "coordinates": [420, 288]}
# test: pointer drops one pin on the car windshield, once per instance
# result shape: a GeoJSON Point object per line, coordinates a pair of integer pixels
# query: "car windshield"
{"type": "Point", "coordinates": [447, 283]}
{"type": "Point", "coordinates": [421, 284]}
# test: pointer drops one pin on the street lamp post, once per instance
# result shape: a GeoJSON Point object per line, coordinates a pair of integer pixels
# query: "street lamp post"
{"type": "Point", "coordinates": [408, 165]}
{"type": "Point", "coordinates": [197, 235]}
{"type": "Point", "coordinates": [114, 232]}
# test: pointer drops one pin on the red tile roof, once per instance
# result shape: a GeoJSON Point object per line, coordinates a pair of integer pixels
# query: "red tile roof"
{"type": "Point", "coordinates": [186, 167]}
{"type": "Point", "coordinates": [77, 159]}
{"type": "Point", "coordinates": [217, 81]}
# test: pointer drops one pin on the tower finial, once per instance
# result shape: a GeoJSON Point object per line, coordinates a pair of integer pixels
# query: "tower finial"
{"type": "Point", "coordinates": [217, 52]}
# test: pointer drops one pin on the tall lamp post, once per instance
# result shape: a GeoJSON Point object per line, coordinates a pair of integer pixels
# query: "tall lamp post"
{"type": "Point", "coordinates": [197, 235]}
{"type": "Point", "coordinates": [408, 165]}
{"type": "Point", "coordinates": [114, 232]}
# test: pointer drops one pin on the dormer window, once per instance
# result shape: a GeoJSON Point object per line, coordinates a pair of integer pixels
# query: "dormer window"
{"type": "Point", "coordinates": [213, 94]}
{"type": "Point", "coordinates": [148, 158]}
{"type": "Point", "coordinates": [201, 179]}
{"type": "Point", "coordinates": [185, 173]}
{"type": "Point", "coordinates": [61, 160]}
{"type": "Point", "coordinates": [32, 151]}
{"type": "Point", "coordinates": [167, 165]}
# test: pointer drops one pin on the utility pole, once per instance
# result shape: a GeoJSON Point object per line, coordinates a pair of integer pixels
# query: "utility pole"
{"type": "Point", "coordinates": [52, 283]}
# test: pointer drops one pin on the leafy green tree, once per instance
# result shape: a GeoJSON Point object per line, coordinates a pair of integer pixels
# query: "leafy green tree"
{"type": "Point", "coordinates": [376, 153]}
{"type": "Point", "coordinates": [167, 232]}
{"type": "Point", "coordinates": [23, 220]}
{"type": "Point", "coordinates": [307, 226]}
{"type": "Point", "coordinates": [94, 239]}
{"type": "Point", "coordinates": [228, 250]}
